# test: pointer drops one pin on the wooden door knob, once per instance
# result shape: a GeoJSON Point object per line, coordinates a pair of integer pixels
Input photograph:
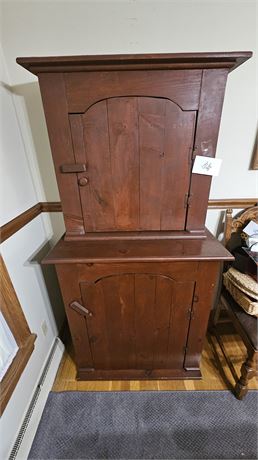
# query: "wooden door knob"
{"type": "Point", "coordinates": [83, 181]}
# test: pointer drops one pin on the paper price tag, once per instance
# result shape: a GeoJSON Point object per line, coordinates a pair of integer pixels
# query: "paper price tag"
{"type": "Point", "coordinates": [251, 228]}
{"type": "Point", "coordinates": [206, 165]}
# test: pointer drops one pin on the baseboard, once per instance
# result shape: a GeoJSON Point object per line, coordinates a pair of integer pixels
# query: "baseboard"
{"type": "Point", "coordinates": [32, 417]}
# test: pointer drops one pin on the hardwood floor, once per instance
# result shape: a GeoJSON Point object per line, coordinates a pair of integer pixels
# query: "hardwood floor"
{"type": "Point", "coordinates": [212, 380]}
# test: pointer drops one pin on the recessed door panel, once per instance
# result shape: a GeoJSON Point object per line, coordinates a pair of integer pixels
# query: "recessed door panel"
{"type": "Point", "coordinates": [137, 321]}
{"type": "Point", "coordinates": [137, 151]}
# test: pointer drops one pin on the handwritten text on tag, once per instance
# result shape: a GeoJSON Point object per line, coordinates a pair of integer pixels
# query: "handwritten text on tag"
{"type": "Point", "coordinates": [206, 165]}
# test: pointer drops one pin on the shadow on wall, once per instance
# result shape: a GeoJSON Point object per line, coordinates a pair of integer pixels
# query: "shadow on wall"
{"type": "Point", "coordinates": [47, 279]}
{"type": "Point", "coordinates": [33, 128]}
{"type": "Point", "coordinates": [36, 143]}
{"type": "Point", "coordinates": [35, 125]}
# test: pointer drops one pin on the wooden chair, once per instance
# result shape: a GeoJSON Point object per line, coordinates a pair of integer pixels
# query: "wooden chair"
{"type": "Point", "coordinates": [244, 324]}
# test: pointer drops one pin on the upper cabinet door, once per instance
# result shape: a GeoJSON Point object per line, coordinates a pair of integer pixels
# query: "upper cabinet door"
{"type": "Point", "coordinates": [137, 151]}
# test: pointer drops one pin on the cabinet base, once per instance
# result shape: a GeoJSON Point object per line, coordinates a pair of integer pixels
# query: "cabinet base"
{"type": "Point", "coordinates": [138, 374]}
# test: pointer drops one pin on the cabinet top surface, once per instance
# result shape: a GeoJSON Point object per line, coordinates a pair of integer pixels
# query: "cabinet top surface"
{"type": "Point", "coordinates": [166, 250]}
{"type": "Point", "coordinates": [229, 60]}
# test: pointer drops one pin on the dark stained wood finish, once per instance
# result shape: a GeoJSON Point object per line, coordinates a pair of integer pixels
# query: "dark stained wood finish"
{"type": "Point", "coordinates": [180, 86]}
{"type": "Point", "coordinates": [136, 267]}
{"type": "Point", "coordinates": [137, 313]}
{"type": "Point", "coordinates": [206, 284]}
{"type": "Point", "coordinates": [77, 323]}
{"type": "Point", "coordinates": [134, 149]}
{"type": "Point", "coordinates": [107, 251]}
{"type": "Point", "coordinates": [129, 117]}
{"type": "Point", "coordinates": [229, 60]}
{"type": "Point", "coordinates": [141, 321]}
{"type": "Point", "coordinates": [138, 374]}
{"type": "Point", "coordinates": [209, 114]}
{"type": "Point", "coordinates": [55, 106]}
{"type": "Point", "coordinates": [123, 132]}
{"type": "Point", "coordinates": [50, 206]}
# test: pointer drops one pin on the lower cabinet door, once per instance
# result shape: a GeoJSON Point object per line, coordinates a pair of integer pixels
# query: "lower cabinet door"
{"type": "Point", "coordinates": [137, 320]}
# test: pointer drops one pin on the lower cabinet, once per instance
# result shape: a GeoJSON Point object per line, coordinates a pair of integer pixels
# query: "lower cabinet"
{"type": "Point", "coordinates": [144, 320]}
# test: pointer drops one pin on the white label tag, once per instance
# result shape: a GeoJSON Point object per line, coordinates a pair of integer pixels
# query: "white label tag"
{"type": "Point", "coordinates": [206, 165]}
{"type": "Point", "coordinates": [251, 228]}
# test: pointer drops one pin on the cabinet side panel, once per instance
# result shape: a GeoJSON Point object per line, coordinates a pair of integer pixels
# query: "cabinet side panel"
{"type": "Point", "coordinates": [208, 122]}
{"type": "Point", "coordinates": [55, 106]}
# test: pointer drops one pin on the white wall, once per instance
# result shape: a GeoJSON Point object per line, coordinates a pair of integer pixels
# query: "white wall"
{"type": "Point", "coordinates": [38, 28]}
{"type": "Point", "coordinates": [21, 253]}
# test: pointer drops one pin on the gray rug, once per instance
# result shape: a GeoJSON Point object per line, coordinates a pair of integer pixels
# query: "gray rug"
{"type": "Point", "coordinates": [147, 425]}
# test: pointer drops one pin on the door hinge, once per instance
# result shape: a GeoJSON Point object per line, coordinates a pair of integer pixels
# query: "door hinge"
{"type": "Point", "coordinates": [188, 200]}
{"type": "Point", "coordinates": [75, 305]}
{"type": "Point", "coordinates": [194, 152]}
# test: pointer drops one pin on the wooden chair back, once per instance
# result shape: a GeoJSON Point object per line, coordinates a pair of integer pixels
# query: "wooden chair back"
{"type": "Point", "coordinates": [233, 229]}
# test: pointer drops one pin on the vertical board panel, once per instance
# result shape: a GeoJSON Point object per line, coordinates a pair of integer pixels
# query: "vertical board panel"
{"type": "Point", "coordinates": [135, 321]}
{"type": "Point", "coordinates": [180, 315]}
{"type": "Point", "coordinates": [118, 292]}
{"type": "Point", "coordinates": [178, 145]}
{"type": "Point", "coordinates": [209, 116]}
{"type": "Point", "coordinates": [205, 291]}
{"type": "Point", "coordinates": [93, 299]}
{"type": "Point", "coordinates": [151, 152]}
{"type": "Point", "coordinates": [111, 328]}
{"type": "Point", "coordinates": [81, 157]}
{"type": "Point", "coordinates": [162, 313]}
{"type": "Point", "coordinates": [166, 140]}
{"type": "Point", "coordinates": [145, 295]}
{"type": "Point", "coordinates": [96, 139]}
{"type": "Point", "coordinates": [138, 153]}
{"type": "Point", "coordinates": [124, 158]}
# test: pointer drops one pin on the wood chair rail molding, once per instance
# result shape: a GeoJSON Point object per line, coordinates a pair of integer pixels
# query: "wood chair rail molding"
{"type": "Point", "coordinates": [20, 221]}
{"type": "Point", "coordinates": [13, 314]}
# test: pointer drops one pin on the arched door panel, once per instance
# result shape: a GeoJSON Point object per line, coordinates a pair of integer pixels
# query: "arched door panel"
{"type": "Point", "coordinates": [137, 321]}
{"type": "Point", "coordinates": [138, 156]}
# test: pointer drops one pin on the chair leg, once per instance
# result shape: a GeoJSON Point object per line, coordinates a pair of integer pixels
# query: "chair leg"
{"type": "Point", "coordinates": [214, 318]}
{"type": "Point", "coordinates": [248, 371]}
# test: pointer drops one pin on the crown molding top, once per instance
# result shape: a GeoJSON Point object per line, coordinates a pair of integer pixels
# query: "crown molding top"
{"type": "Point", "coordinates": [228, 60]}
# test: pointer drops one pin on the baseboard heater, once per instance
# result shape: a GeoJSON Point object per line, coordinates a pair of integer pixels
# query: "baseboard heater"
{"type": "Point", "coordinates": [22, 446]}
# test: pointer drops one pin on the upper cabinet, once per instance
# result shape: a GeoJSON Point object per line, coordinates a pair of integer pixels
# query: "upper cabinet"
{"type": "Point", "coordinates": [124, 131]}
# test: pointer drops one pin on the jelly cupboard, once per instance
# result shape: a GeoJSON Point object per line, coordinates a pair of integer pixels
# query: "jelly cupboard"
{"type": "Point", "coordinates": [136, 266]}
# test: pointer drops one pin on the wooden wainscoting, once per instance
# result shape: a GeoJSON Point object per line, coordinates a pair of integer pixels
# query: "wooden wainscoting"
{"type": "Point", "coordinates": [13, 314]}
{"type": "Point", "coordinates": [18, 222]}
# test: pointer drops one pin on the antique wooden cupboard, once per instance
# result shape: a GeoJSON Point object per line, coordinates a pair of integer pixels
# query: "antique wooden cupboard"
{"type": "Point", "coordinates": [137, 268]}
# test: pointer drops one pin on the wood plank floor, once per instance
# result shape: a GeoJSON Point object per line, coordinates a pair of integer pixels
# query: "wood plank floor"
{"type": "Point", "coordinates": [212, 380]}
